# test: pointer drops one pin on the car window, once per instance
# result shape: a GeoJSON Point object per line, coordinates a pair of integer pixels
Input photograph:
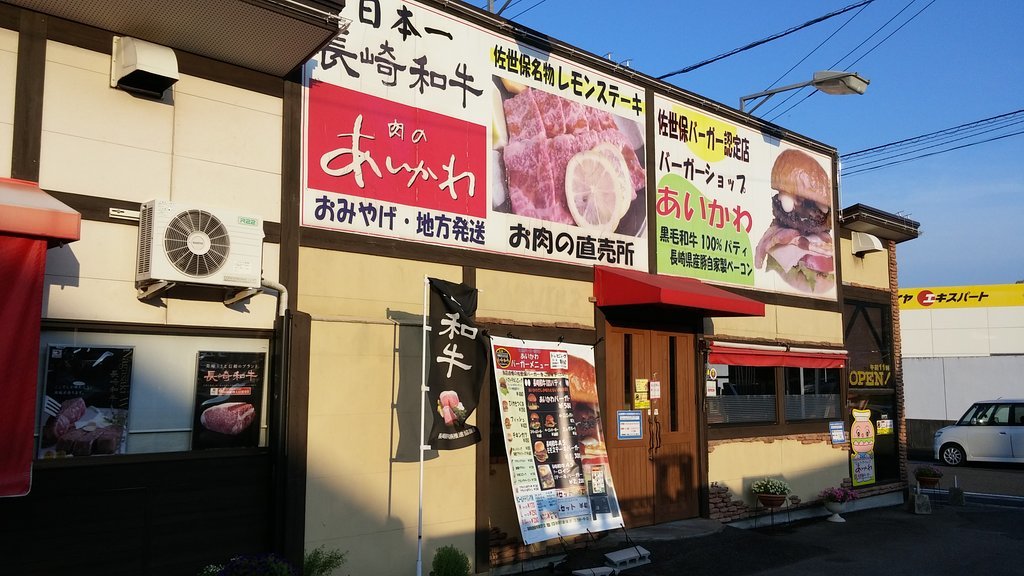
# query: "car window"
{"type": "Point", "coordinates": [1018, 414]}
{"type": "Point", "coordinates": [1001, 415]}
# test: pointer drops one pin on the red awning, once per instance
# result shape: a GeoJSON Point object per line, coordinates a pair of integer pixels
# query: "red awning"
{"type": "Point", "coordinates": [619, 287]}
{"type": "Point", "coordinates": [26, 210]}
{"type": "Point", "coordinates": [739, 355]}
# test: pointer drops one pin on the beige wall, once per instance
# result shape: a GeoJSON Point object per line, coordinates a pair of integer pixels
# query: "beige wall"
{"type": "Point", "coordinates": [94, 279]}
{"type": "Point", "coordinates": [807, 468]}
{"type": "Point", "coordinates": [523, 298]}
{"type": "Point", "coordinates": [869, 270]}
{"type": "Point", "coordinates": [363, 471]}
{"type": "Point", "coordinates": [782, 323]}
{"type": "Point", "coordinates": [8, 74]}
{"type": "Point", "coordinates": [207, 144]}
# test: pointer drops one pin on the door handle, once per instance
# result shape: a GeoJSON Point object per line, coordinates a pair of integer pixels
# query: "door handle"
{"type": "Point", "coordinates": [650, 438]}
{"type": "Point", "coordinates": [658, 446]}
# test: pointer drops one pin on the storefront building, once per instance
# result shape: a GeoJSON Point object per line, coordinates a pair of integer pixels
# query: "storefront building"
{"type": "Point", "coordinates": [268, 398]}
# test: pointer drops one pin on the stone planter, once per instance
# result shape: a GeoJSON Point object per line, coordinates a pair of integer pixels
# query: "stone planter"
{"type": "Point", "coordinates": [835, 508]}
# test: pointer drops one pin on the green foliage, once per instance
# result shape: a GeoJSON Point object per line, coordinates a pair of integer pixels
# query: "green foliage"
{"type": "Point", "coordinates": [450, 561]}
{"type": "Point", "coordinates": [770, 486]}
{"type": "Point", "coordinates": [258, 565]}
{"type": "Point", "coordinates": [211, 570]}
{"type": "Point", "coordinates": [321, 562]}
{"type": "Point", "coordinates": [927, 472]}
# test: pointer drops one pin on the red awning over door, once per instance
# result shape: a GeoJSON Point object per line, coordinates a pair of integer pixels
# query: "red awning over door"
{"type": "Point", "coordinates": [619, 287]}
{"type": "Point", "coordinates": [775, 356]}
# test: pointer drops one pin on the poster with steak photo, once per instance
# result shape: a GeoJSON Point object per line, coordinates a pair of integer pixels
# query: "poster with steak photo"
{"type": "Point", "coordinates": [229, 397]}
{"type": "Point", "coordinates": [85, 401]}
{"type": "Point", "coordinates": [425, 128]}
{"type": "Point", "coordinates": [566, 162]}
{"type": "Point", "coordinates": [554, 441]}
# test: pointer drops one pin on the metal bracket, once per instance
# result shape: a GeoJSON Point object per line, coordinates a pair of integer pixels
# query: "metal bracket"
{"type": "Point", "coordinates": [154, 290]}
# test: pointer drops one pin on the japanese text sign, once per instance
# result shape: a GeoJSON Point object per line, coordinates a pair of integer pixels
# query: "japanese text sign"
{"type": "Point", "coordinates": [229, 400]}
{"type": "Point", "coordinates": [739, 207]}
{"type": "Point", "coordinates": [422, 127]}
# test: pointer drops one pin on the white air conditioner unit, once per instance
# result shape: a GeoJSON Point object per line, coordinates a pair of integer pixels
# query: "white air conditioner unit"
{"type": "Point", "coordinates": [192, 245]}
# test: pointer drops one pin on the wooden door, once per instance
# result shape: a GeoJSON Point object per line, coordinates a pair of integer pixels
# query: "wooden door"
{"type": "Point", "coordinates": [656, 477]}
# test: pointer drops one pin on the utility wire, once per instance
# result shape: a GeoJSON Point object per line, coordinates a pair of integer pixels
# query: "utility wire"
{"type": "Point", "coordinates": [948, 140]}
{"type": "Point", "coordinates": [854, 63]}
{"type": "Point", "coordinates": [764, 40]}
{"type": "Point", "coordinates": [539, 2]}
{"type": "Point", "coordinates": [861, 171]}
{"type": "Point", "coordinates": [792, 95]}
{"type": "Point", "coordinates": [984, 121]}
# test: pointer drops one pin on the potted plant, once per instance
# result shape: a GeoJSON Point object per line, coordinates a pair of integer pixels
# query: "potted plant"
{"type": "Point", "coordinates": [835, 500]}
{"type": "Point", "coordinates": [770, 492]}
{"type": "Point", "coordinates": [450, 561]}
{"type": "Point", "coordinates": [927, 476]}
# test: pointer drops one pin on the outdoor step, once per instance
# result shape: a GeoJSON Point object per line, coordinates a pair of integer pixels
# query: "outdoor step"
{"type": "Point", "coordinates": [599, 571]}
{"type": "Point", "coordinates": [628, 558]}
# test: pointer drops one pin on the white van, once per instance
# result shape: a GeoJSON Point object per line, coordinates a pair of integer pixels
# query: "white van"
{"type": "Point", "coordinates": [990, 431]}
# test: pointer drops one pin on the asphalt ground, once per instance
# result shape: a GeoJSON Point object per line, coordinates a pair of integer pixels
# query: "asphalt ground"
{"type": "Point", "coordinates": [952, 540]}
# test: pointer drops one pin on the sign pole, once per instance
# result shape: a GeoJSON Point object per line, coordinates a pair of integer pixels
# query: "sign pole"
{"type": "Point", "coordinates": [423, 409]}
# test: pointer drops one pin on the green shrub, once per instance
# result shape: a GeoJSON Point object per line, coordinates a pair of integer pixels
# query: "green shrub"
{"type": "Point", "coordinates": [450, 561]}
{"type": "Point", "coordinates": [320, 562]}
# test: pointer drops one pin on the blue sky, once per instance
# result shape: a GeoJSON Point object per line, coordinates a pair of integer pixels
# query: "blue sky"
{"type": "Point", "coordinates": [956, 62]}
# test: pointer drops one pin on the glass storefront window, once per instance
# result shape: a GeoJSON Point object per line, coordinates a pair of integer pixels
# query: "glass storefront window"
{"type": "Point", "coordinates": [743, 394]}
{"type": "Point", "coordinates": [812, 393]}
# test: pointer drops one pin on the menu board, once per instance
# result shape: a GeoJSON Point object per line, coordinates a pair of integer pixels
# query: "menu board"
{"type": "Point", "coordinates": [85, 401]}
{"type": "Point", "coordinates": [550, 418]}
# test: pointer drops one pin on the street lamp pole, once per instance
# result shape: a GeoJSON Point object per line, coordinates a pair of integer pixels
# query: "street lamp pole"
{"type": "Point", "coordinates": [828, 81]}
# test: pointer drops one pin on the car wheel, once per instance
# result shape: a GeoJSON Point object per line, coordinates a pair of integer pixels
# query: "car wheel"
{"type": "Point", "coordinates": [953, 455]}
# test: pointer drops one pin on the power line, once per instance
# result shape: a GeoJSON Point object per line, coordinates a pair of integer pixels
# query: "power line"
{"type": "Point", "coordinates": [816, 48]}
{"type": "Point", "coordinates": [528, 9]}
{"type": "Point", "coordinates": [782, 102]}
{"type": "Point", "coordinates": [983, 121]}
{"type": "Point", "coordinates": [855, 172]}
{"type": "Point", "coordinates": [870, 50]}
{"type": "Point", "coordinates": [764, 40]}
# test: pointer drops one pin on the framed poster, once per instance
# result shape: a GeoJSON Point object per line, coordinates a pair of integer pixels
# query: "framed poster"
{"type": "Point", "coordinates": [229, 397]}
{"type": "Point", "coordinates": [85, 401]}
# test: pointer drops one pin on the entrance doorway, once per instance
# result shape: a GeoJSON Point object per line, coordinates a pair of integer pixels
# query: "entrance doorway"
{"type": "Point", "coordinates": [656, 476]}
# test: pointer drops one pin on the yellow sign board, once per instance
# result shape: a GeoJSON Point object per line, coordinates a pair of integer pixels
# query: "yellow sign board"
{"type": "Point", "coordinates": [940, 297]}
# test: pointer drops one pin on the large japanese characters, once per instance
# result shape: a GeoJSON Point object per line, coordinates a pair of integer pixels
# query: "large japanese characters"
{"type": "Point", "coordinates": [422, 127]}
{"type": "Point", "coordinates": [737, 206]}
{"type": "Point", "coordinates": [456, 363]}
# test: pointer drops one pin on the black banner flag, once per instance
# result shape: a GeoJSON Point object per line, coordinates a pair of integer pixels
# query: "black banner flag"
{"type": "Point", "coordinates": [457, 363]}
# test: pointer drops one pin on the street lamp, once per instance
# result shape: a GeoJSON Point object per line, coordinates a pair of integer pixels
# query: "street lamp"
{"type": "Point", "coordinates": [828, 81]}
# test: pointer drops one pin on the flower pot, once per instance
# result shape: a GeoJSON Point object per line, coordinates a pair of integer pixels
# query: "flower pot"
{"type": "Point", "coordinates": [771, 500]}
{"type": "Point", "coordinates": [928, 481]}
{"type": "Point", "coordinates": [835, 508]}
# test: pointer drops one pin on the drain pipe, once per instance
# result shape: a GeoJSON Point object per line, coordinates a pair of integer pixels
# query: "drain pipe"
{"type": "Point", "coordinates": [282, 294]}
{"type": "Point", "coordinates": [279, 423]}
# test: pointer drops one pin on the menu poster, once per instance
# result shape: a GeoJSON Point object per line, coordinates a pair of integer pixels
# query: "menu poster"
{"type": "Point", "coordinates": [85, 401]}
{"type": "Point", "coordinates": [229, 395]}
{"type": "Point", "coordinates": [551, 421]}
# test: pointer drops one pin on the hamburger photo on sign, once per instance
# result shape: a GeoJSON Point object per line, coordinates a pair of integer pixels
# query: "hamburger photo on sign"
{"type": "Point", "coordinates": [798, 243]}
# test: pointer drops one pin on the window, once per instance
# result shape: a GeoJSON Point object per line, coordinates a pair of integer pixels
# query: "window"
{"type": "Point", "coordinates": [812, 393]}
{"type": "Point", "coordinates": [743, 394]}
{"type": "Point", "coordinates": [146, 393]}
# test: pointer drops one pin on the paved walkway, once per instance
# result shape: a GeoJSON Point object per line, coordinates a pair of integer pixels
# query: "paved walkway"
{"type": "Point", "coordinates": [952, 541]}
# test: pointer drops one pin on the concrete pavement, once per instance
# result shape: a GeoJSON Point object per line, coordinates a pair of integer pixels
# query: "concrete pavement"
{"type": "Point", "coordinates": [892, 541]}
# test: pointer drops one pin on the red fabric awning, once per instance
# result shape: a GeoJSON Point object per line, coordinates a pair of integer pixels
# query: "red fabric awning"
{"type": "Point", "coordinates": [27, 210]}
{"type": "Point", "coordinates": [619, 287]}
{"type": "Point", "coordinates": [768, 356]}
